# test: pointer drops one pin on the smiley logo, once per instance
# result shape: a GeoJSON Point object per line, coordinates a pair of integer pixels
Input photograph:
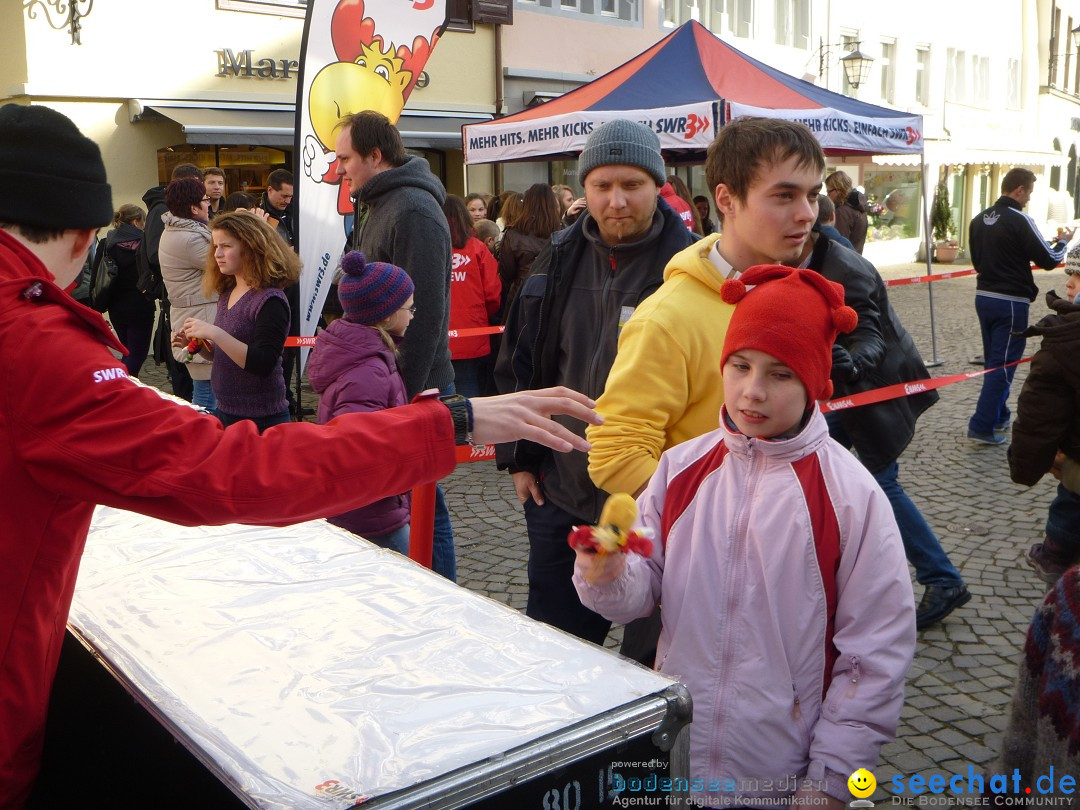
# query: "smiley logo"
{"type": "Point", "coordinates": [862, 783]}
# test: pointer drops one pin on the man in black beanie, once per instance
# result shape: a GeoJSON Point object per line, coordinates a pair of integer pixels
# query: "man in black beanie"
{"type": "Point", "coordinates": [563, 329]}
{"type": "Point", "coordinates": [75, 431]}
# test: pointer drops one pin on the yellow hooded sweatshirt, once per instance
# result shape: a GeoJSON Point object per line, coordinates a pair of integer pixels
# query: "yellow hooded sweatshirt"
{"type": "Point", "coordinates": [665, 386]}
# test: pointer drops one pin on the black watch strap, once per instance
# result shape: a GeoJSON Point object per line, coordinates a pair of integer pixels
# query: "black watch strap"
{"type": "Point", "coordinates": [461, 412]}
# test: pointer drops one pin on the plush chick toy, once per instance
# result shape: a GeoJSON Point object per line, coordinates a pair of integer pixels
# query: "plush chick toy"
{"type": "Point", "coordinates": [196, 345]}
{"type": "Point", "coordinates": [613, 533]}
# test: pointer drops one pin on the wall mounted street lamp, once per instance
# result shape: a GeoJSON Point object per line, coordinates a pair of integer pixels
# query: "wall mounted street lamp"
{"type": "Point", "coordinates": [856, 64]}
{"type": "Point", "coordinates": [69, 14]}
{"type": "Point", "coordinates": [1074, 36]}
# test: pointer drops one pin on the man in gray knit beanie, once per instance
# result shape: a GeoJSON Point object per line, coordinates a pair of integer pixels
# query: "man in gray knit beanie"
{"type": "Point", "coordinates": [623, 199]}
{"type": "Point", "coordinates": [564, 326]}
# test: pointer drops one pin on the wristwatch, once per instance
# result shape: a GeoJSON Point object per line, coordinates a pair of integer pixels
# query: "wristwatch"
{"type": "Point", "coordinates": [461, 413]}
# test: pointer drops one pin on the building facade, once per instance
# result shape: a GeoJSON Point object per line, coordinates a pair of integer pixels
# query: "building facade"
{"type": "Point", "coordinates": [214, 82]}
{"type": "Point", "coordinates": [216, 85]}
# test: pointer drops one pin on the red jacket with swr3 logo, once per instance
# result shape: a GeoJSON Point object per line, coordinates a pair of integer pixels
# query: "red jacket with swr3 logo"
{"type": "Point", "coordinates": [75, 431]}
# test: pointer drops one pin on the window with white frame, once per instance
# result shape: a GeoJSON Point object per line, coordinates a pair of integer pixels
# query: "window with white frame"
{"type": "Point", "coordinates": [922, 75]}
{"type": "Point", "coordinates": [792, 18]}
{"type": "Point", "coordinates": [979, 94]}
{"type": "Point", "coordinates": [847, 45]}
{"type": "Point", "coordinates": [956, 76]}
{"type": "Point", "coordinates": [671, 13]}
{"type": "Point", "coordinates": [733, 18]}
{"type": "Point", "coordinates": [691, 10]}
{"type": "Point", "coordinates": [627, 10]}
{"type": "Point", "coordinates": [888, 69]}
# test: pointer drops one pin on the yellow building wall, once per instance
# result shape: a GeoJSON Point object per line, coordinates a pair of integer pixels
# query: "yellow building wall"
{"type": "Point", "coordinates": [132, 49]}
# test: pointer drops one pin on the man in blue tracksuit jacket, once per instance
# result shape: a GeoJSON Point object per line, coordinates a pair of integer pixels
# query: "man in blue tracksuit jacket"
{"type": "Point", "coordinates": [1004, 242]}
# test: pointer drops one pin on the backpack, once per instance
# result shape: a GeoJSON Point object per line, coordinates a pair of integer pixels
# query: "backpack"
{"type": "Point", "coordinates": [148, 278]}
{"type": "Point", "coordinates": [102, 276]}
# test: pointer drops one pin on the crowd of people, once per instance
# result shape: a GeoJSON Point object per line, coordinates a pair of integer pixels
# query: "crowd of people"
{"type": "Point", "coordinates": [648, 349]}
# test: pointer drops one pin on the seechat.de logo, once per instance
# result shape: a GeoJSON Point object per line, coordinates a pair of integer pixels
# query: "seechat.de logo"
{"type": "Point", "coordinates": [861, 784]}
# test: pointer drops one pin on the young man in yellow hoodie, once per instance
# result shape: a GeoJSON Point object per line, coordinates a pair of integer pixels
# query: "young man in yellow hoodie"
{"type": "Point", "coordinates": [665, 385]}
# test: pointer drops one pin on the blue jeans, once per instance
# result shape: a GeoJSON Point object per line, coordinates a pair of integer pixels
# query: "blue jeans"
{"type": "Point", "coordinates": [921, 545]}
{"type": "Point", "coordinates": [136, 338]}
{"type": "Point", "coordinates": [998, 319]}
{"type": "Point", "coordinates": [397, 540]}
{"type": "Point", "coordinates": [552, 597]}
{"type": "Point", "coordinates": [467, 376]}
{"type": "Point", "coordinates": [443, 560]}
{"type": "Point", "coordinates": [1063, 521]}
{"type": "Point", "coordinates": [203, 395]}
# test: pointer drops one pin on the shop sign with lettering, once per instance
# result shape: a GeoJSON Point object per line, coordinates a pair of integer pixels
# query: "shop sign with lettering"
{"type": "Point", "coordinates": [244, 65]}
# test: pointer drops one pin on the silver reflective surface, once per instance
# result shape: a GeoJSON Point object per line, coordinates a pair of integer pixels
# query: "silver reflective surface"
{"type": "Point", "coordinates": [308, 667]}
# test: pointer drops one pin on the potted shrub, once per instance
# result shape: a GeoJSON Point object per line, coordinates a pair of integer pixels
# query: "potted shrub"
{"type": "Point", "coordinates": [942, 226]}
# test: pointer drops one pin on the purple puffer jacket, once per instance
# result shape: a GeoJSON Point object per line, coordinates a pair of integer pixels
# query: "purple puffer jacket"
{"type": "Point", "coordinates": [353, 370]}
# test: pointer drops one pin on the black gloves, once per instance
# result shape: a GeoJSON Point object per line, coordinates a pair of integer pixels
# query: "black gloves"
{"type": "Point", "coordinates": [844, 369]}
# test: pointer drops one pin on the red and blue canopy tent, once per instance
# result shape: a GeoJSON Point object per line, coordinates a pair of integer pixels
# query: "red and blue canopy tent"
{"type": "Point", "coordinates": [685, 87]}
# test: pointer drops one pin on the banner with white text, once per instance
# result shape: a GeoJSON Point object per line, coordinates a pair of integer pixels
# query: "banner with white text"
{"type": "Point", "coordinates": [690, 126]}
{"type": "Point", "coordinates": [356, 55]}
{"type": "Point", "coordinates": [839, 130]}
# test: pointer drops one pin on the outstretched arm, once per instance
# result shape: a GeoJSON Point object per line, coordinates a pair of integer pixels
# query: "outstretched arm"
{"type": "Point", "coordinates": [527, 415]}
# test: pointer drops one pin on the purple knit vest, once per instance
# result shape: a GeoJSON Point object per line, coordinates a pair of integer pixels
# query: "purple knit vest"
{"type": "Point", "coordinates": [239, 392]}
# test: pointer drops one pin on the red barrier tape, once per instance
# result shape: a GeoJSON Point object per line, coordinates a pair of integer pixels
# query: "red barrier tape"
{"type": "Point", "coordinates": [899, 282]}
{"type": "Point", "coordinates": [479, 452]}
{"type": "Point", "coordinates": [472, 331]}
{"type": "Point", "coordinates": [907, 389]}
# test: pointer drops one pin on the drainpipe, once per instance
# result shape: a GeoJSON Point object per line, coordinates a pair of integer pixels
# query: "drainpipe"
{"type": "Point", "coordinates": [498, 102]}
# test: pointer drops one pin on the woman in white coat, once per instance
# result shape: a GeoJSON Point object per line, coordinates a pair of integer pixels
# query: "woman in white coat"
{"type": "Point", "coordinates": [182, 254]}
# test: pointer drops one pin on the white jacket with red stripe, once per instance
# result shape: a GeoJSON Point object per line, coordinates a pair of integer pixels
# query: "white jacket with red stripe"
{"type": "Point", "coordinates": [787, 609]}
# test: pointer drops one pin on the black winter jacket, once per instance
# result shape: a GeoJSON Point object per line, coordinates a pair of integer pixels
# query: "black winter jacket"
{"type": "Point", "coordinates": [399, 219]}
{"type": "Point", "coordinates": [1004, 242]}
{"type": "Point", "coordinates": [882, 353]}
{"type": "Point", "coordinates": [126, 304]}
{"type": "Point", "coordinates": [1048, 413]}
{"type": "Point", "coordinates": [546, 316]}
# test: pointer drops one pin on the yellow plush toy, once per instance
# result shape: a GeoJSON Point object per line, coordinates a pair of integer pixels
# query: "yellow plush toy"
{"type": "Point", "coordinates": [614, 532]}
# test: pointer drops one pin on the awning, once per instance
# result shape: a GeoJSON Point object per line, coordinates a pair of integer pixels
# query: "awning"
{"type": "Point", "coordinates": [272, 125]}
{"type": "Point", "coordinates": [221, 126]}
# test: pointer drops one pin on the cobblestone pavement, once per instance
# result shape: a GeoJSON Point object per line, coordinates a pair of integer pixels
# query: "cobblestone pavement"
{"type": "Point", "coordinates": [960, 683]}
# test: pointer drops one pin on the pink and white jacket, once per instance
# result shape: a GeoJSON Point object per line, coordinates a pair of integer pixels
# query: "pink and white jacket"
{"type": "Point", "coordinates": [787, 609]}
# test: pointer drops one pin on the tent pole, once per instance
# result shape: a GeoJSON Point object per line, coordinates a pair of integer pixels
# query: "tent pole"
{"type": "Point", "coordinates": [929, 265]}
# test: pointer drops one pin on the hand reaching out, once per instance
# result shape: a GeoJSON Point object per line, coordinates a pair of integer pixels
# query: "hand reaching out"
{"type": "Point", "coordinates": [527, 415]}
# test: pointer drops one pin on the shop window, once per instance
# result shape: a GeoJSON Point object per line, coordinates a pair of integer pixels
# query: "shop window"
{"type": "Point", "coordinates": [958, 197]}
{"type": "Point", "coordinates": [895, 200]}
{"type": "Point", "coordinates": [246, 167]}
{"type": "Point", "coordinates": [564, 173]}
{"type": "Point", "coordinates": [436, 161]}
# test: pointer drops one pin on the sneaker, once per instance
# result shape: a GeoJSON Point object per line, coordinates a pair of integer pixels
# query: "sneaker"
{"type": "Point", "coordinates": [985, 438]}
{"type": "Point", "coordinates": [938, 602]}
{"type": "Point", "coordinates": [1002, 426]}
{"type": "Point", "coordinates": [1049, 561]}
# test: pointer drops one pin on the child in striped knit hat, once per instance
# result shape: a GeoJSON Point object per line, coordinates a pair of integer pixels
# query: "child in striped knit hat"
{"type": "Point", "coordinates": [353, 368]}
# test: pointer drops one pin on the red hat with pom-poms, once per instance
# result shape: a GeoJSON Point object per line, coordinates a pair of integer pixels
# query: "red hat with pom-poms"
{"type": "Point", "coordinates": [792, 314]}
